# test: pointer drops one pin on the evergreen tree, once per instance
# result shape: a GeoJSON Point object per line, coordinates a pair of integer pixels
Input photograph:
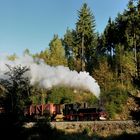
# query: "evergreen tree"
{"type": "Point", "coordinates": [104, 75]}
{"type": "Point", "coordinates": [44, 55]}
{"type": "Point", "coordinates": [26, 52]}
{"type": "Point", "coordinates": [137, 39]}
{"type": "Point", "coordinates": [132, 26]}
{"type": "Point", "coordinates": [120, 30]}
{"type": "Point", "coordinates": [125, 66]}
{"type": "Point", "coordinates": [69, 44]}
{"type": "Point", "coordinates": [101, 47]}
{"type": "Point", "coordinates": [57, 52]}
{"type": "Point", "coordinates": [86, 37]}
{"type": "Point", "coordinates": [110, 41]}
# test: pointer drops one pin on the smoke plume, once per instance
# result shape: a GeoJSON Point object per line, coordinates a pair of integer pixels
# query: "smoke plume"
{"type": "Point", "coordinates": [48, 76]}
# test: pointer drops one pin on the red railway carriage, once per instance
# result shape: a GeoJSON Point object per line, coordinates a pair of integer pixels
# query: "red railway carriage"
{"type": "Point", "coordinates": [41, 109]}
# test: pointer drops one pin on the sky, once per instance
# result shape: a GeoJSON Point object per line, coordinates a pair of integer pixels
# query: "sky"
{"type": "Point", "coordinates": [32, 23]}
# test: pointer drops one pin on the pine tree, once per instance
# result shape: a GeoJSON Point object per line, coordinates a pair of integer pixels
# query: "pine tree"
{"type": "Point", "coordinates": [86, 37]}
{"type": "Point", "coordinates": [110, 41]}
{"type": "Point", "coordinates": [57, 52]}
{"type": "Point", "coordinates": [69, 45]}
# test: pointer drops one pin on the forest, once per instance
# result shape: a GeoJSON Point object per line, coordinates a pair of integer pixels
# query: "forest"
{"type": "Point", "coordinates": [112, 58]}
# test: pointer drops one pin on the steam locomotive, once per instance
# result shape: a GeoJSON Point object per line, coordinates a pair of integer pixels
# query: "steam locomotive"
{"type": "Point", "coordinates": [67, 112]}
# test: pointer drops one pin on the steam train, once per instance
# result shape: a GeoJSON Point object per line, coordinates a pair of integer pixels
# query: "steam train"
{"type": "Point", "coordinates": [67, 112]}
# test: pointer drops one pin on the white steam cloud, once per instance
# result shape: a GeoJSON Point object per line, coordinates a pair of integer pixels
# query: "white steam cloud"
{"type": "Point", "coordinates": [48, 76]}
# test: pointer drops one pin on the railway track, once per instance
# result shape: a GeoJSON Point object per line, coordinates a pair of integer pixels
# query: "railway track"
{"type": "Point", "coordinates": [54, 123]}
{"type": "Point", "coordinates": [84, 123]}
{"type": "Point", "coordinates": [94, 122]}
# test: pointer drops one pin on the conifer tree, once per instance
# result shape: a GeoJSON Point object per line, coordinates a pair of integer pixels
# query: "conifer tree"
{"type": "Point", "coordinates": [69, 45]}
{"type": "Point", "coordinates": [86, 37]}
{"type": "Point", "coordinates": [57, 52]}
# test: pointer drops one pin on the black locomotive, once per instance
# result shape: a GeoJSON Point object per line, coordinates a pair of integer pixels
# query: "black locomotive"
{"type": "Point", "coordinates": [78, 112]}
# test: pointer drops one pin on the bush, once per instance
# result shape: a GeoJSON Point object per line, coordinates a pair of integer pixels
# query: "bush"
{"type": "Point", "coordinates": [18, 89]}
{"type": "Point", "coordinates": [86, 131]}
{"type": "Point", "coordinates": [61, 95]}
{"type": "Point", "coordinates": [114, 101]}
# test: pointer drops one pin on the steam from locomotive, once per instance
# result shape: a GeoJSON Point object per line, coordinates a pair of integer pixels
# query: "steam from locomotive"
{"type": "Point", "coordinates": [47, 76]}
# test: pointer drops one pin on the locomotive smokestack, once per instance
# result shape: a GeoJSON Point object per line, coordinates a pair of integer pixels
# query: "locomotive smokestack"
{"type": "Point", "coordinates": [48, 76]}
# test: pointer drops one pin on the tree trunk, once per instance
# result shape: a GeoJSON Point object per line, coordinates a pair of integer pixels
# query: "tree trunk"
{"type": "Point", "coordinates": [82, 53]}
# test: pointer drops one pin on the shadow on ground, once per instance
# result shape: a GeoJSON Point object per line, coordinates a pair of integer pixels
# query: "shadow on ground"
{"type": "Point", "coordinates": [10, 129]}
